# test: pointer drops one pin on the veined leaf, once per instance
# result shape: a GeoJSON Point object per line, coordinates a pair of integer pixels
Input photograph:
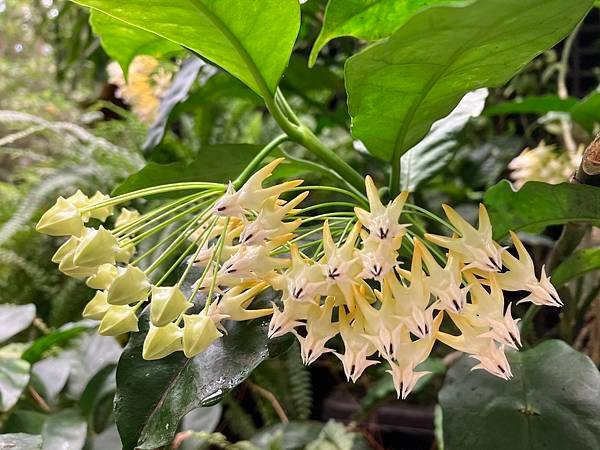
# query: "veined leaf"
{"type": "Point", "coordinates": [250, 39]}
{"type": "Point", "coordinates": [437, 149]}
{"type": "Point", "coordinates": [576, 265]}
{"type": "Point", "coordinates": [537, 205]}
{"type": "Point", "coordinates": [551, 403]}
{"type": "Point", "coordinates": [586, 112]}
{"type": "Point", "coordinates": [366, 19]}
{"type": "Point", "coordinates": [399, 87]}
{"type": "Point", "coordinates": [122, 42]}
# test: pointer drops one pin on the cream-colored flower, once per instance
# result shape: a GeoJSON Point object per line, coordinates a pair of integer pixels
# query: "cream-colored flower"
{"type": "Point", "coordinates": [167, 304]}
{"type": "Point", "coordinates": [199, 332]}
{"type": "Point", "coordinates": [475, 246]}
{"type": "Point", "coordinates": [252, 195]}
{"type": "Point", "coordinates": [378, 257]}
{"type": "Point", "coordinates": [319, 330]}
{"type": "Point", "coordinates": [63, 219]}
{"type": "Point", "coordinates": [357, 348]}
{"type": "Point", "coordinates": [293, 313]}
{"type": "Point", "coordinates": [252, 261]}
{"type": "Point", "coordinates": [118, 319]}
{"type": "Point", "coordinates": [162, 341]}
{"type": "Point", "coordinates": [126, 216]}
{"type": "Point", "coordinates": [303, 281]}
{"type": "Point", "coordinates": [97, 307]}
{"type": "Point", "coordinates": [130, 286]}
{"type": "Point", "coordinates": [96, 247]}
{"type": "Point", "coordinates": [103, 277]}
{"type": "Point", "coordinates": [101, 213]}
{"type": "Point", "coordinates": [234, 301]}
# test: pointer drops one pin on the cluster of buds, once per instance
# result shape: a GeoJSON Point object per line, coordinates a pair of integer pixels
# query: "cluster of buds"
{"type": "Point", "coordinates": [349, 282]}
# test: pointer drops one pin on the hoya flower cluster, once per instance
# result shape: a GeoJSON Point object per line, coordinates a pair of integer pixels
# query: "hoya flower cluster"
{"type": "Point", "coordinates": [339, 274]}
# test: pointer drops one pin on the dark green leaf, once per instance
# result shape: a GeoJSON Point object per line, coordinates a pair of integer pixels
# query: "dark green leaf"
{"type": "Point", "coordinates": [14, 376]}
{"type": "Point", "coordinates": [551, 403]}
{"type": "Point", "coordinates": [100, 386]}
{"type": "Point", "coordinates": [64, 430]}
{"type": "Point", "coordinates": [20, 441]}
{"type": "Point", "coordinates": [437, 149]}
{"type": "Point", "coordinates": [366, 19]}
{"type": "Point", "coordinates": [122, 42]}
{"type": "Point", "coordinates": [532, 105]}
{"type": "Point", "coordinates": [537, 205]}
{"type": "Point", "coordinates": [177, 93]}
{"type": "Point", "coordinates": [25, 421]}
{"type": "Point", "coordinates": [399, 87]}
{"type": "Point", "coordinates": [576, 265]}
{"type": "Point", "coordinates": [14, 319]}
{"type": "Point", "coordinates": [218, 163]}
{"type": "Point", "coordinates": [56, 338]}
{"type": "Point", "coordinates": [153, 396]}
{"type": "Point", "coordinates": [249, 39]}
{"type": "Point", "coordinates": [587, 111]}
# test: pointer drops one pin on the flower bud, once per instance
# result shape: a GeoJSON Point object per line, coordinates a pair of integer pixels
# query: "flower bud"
{"type": "Point", "coordinates": [199, 332]}
{"type": "Point", "coordinates": [97, 307]}
{"type": "Point", "coordinates": [79, 199]}
{"type": "Point", "coordinates": [68, 267]}
{"type": "Point", "coordinates": [162, 341]}
{"type": "Point", "coordinates": [126, 216]}
{"type": "Point", "coordinates": [118, 320]}
{"type": "Point", "coordinates": [130, 286]}
{"type": "Point", "coordinates": [100, 213]}
{"type": "Point", "coordinates": [63, 219]}
{"type": "Point", "coordinates": [96, 247]}
{"type": "Point", "coordinates": [124, 253]}
{"type": "Point", "coordinates": [65, 249]}
{"type": "Point", "coordinates": [166, 305]}
{"type": "Point", "coordinates": [103, 277]}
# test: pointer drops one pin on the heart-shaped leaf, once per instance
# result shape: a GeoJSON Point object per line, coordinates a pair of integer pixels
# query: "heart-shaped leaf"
{"type": "Point", "coordinates": [537, 205]}
{"type": "Point", "coordinates": [14, 319]}
{"type": "Point", "coordinates": [399, 87]}
{"type": "Point", "coordinates": [14, 376]}
{"type": "Point", "coordinates": [250, 39]}
{"type": "Point", "coordinates": [551, 403]}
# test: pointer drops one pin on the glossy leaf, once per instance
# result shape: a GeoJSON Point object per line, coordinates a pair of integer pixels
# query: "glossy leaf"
{"type": "Point", "coordinates": [123, 42]}
{"type": "Point", "coordinates": [20, 441]}
{"type": "Point", "coordinates": [366, 19]}
{"type": "Point", "coordinates": [541, 104]}
{"type": "Point", "coordinates": [551, 403]}
{"type": "Point", "coordinates": [153, 396]}
{"type": "Point", "coordinates": [200, 419]}
{"type": "Point", "coordinates": [249, 39]}
{"type": "Point", "coordinates": [100, 386]}
{"type": "Point", "coordinates": [175, 94]}
{"type": "Point", "coordinates": [437, 149]}
{"type": "Point", "coordinates": [399, 87]}
{"type": "Point", "coordinates": [577, 264]}
{"type": "Point", "coordinates": [537, 205]}
{"type": "Point", "coordinates": [587, 111]}
{"type": "Point", "coordinates": [14, 319]}
{"type": "Point", "coordinates": [14, 377]}
{"type": "Point", "coordinates": [218, 163]}
{"type": "Point", "coordinates": [64, 430]}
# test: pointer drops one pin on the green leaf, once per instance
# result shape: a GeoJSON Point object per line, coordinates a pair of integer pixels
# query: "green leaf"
{"type": "Point", "coordinates": [122, 42]}
{"type": "Point", "coordinates": [366, 19]}
{"type": "Point", "coordinates": [576, 265]}
{"type": "Point", "coordinates": [50, 376]}
{"type": "Point", "coordinates": [533, 104]}
{"type": "Point", "coordinates": [101, 386]}
{"type": "Point", "coordinates": [399, 87]}
{"type": "Point", "coordinates": [217, 163]}
{"type": "Point", "coordinates": [551, 403]}
{"type": "Point", "coordinates": [175, 94]}
{"type": "Point", "coordinates": [64, 430]}
{"type": "Point", "coordinates": [153, 396]}
{"type": "Point", "coordinates": [20, 441]}
{"type": "Point", "coordinates": [14, 319]}
{"type": "Point", "coordinates": [14, 376]}
{"type": "Point", "coordinates": [537, 205]}
{"type": "Point", "coordinates": [437, 149]}
{"type": "Point", "coordinates": [57, 338]}
{"type": "Point", "coordinates": [251, 40]}
{"type": "Point", "coordinates": [587, 111]}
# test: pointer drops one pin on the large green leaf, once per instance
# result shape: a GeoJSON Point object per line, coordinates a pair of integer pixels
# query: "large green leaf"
{"type": "Point", "coordinates": [14, 319]}
{"type": "Point", "coordinates": [551, 403]}
{"type": "Point", "coordinates": [366, 19]}
{"type": "Point", "coordinates": [399, 87]}
{"type": "Point", "coordinates": [578, 264]}
{"type": "Point", "coordinates": [250, 39]}
{"type": "Point", "coordinates": [541, 104]}
{"type": "Point", "coordinates": [122, 42]}
{"type": "Point", "coordinates": [14, 376]}
{"type": "Point", "coordinates": [587, 111]}
{"type": "Point", "coordinates": [153, 396]}
{"type": "Point", "coordinates": [218, 163]}
{"type": "Point", "coordinates": [64, 430]}
{"type": "Point", "coordinates": [537, 205]}
{"type": "Point", "coordinates": [437, 149]}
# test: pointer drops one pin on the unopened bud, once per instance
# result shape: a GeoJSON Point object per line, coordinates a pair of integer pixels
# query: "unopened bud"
{"type": "Point", "coordinates": [100, 213]}
{"type": "Point", "coordinates": [97, 307]}
{"type": "Point", "coordinates": [199, 332]}
{"type": "Point", "coordinates": [124, 253]}
{"type": "Point", "coordinates": [63, 219]}
{"type": "Point", "coordinates": [162, 341]}
{"type": "Point", "coordinates": [65, 249]}
{"type": "Point", "coordinates": [103, 277]}
{"type": "Point", "coordinates": [68, 267]}
{"type": "Point", "coordinates": [96, 247]}
{"type": "Point", "coordinates": [130, 286]}
{"type": "Point", "coordinates": [167, 304]}
{"type": "Point", "coordinates": [118, 320]}
{"type": "Point", "coordinates": [126, 216]}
